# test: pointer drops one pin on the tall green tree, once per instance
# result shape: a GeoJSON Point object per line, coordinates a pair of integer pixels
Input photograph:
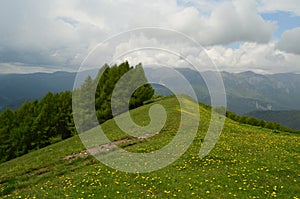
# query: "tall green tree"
{"type": "Point", "coordinates": [83, 99]}
{"type": "Point", "coordinates": [7, 123]}
{"type": "Point", "coordinates": [106, 85]}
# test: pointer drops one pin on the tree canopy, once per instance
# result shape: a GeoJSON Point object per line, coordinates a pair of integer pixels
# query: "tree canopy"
{"type": "Point", "coordinates": [42, 122]}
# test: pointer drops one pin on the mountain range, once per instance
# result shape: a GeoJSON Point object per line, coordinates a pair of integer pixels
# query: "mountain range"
{"type": "Point", "coordinates": [17, 88]}
{"type": "Point", "coordinates": [246, 91]}
{"type": "Point", "coordinates": [249, 91]}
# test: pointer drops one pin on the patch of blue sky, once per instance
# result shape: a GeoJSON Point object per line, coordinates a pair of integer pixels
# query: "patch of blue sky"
{"type": "Point", "coordinates": [204, 6]}
{"type": "Point", "coordinates": [184, 3]}
{"type": "Point", "coordinates": [285, 21]}
{"type": "Point", "coordinates": [69, 21]}
{"type": "Point", "coordinates": [235, 45]}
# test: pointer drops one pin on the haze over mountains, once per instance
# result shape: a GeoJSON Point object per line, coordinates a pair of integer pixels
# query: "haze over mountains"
{"type": "Point", "coordinates": [286, 118]}
{"type": "Point", "coordinates": [16, 88]}
{"type": "Point", "coordinates": [246, 91]}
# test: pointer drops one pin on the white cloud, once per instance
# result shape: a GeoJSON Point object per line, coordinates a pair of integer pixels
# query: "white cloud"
{"type": "Point", "coordinates": [7, 68]}
{"type": "Point", "coordinates": [237, 21]}
{"type": "Point", "coordinates": [280, 5]}
{"type": "Point", "coordinates": [290, 41]}
{"type": "Point", "coordinates": [149, 46]}
{"type": "Point", "coordinates": [228, 22]}
{"type": "Point", "coordinates": [263, 58]}
{"type": "Point", "coordinates": [61, 33]}
{"type": "Point", "coordinates": [34, 33]}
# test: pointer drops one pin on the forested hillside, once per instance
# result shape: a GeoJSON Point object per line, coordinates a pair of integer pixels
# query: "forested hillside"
{"type": "Point", "coordinates": [35, 125]}
{"type": "Point", "coordinates": [42, 122]}
{"type": "Point", "coordinates": [287, 118]}
{"type": "Point", "coordinates": [39, 123]}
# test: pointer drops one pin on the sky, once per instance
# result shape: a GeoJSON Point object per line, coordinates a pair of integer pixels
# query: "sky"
{"type": "Point", "coordinates": [240, 35]}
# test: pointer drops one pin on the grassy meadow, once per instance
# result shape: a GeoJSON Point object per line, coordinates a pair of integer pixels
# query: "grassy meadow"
{"type": "Point", "coordinates": [247, 162]}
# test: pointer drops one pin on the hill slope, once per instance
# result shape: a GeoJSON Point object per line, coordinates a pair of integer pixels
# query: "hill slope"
{"type": "Point", "coordinates": [287, 118]}
{"type": "Point", "coordinates": [16, 88]}
{"type": "Point", "coordinates": [247, 162]}
{"type": "Point", "coordinates": [246, 91]}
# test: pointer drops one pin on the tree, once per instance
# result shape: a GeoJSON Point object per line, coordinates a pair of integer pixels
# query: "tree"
{"type": "Point", "coordinates": [124, 77]}
{"type": "Point", "coordinates": [7, 123]}
{"type": "Point", "coordinates": [83, 98]}
{"type": "Point", "coordinates": [144, 92]}
{"type": "Point", "coordinates": [65, 122]}
{"type": "Point", "coordinates": [39, 123]}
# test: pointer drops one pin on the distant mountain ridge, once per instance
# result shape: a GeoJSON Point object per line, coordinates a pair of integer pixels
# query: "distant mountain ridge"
{"type": "Point", "coordinates": [287, 118]}
{"type": "Point", "coordinates": [262, 92]}
{"type": "Point", "coordinates": [16, 88]}
{"type": "Point", "coordinates": [246, 91]}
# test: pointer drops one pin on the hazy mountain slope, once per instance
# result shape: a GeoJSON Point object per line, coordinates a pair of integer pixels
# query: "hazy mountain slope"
{"type": "Point", "coordinates": [287, 118]}
{"type": "Point", "coordinates": [246, 91]}
{"type": "Point", "coordinates": [16, 88]}
{"type": "Point", "coordinates": [276, 92]}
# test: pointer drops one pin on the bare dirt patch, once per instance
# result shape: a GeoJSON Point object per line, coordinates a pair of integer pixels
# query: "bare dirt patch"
{"type": "Point", "coordinates": [107, 147]}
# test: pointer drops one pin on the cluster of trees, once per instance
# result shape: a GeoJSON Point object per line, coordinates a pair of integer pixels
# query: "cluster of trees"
{"type": "Point", "coordinates": [289, 118]}
{"type": "Point", "coordinates": [42, 122]}
{"type": "Point", "coordinates": [131, 92]}
{"type": "Point", "coordinates": [257, 122]}
{"type": "Point", "coordinates": [35, 125]}
{"type": "Point", "coordinates": [125, 84]}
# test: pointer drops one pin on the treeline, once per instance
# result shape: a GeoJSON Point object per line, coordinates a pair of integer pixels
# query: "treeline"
{"type": "Point", "coordinates": [261, 123]}
{"type": "Point", "coordinates": [35, 125]}
{"type": "Point", "coordinates": [289, 118]}
{"type": "Point", "coordinates": [42, 122]}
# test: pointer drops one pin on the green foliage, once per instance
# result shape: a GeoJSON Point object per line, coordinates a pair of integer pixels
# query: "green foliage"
{"type": "Point", "coordinates": [289, 118]}
{"type": "Point", "coordinates": [35, 124]}
{"type": "Point", "coordinates": [40, 123]}
{"type": "Point", "coordinates": [83, 99]}
{"type": "Point", "coordinates": [108, 84]}
{"type": "Point", "coordinates": [261, 123]}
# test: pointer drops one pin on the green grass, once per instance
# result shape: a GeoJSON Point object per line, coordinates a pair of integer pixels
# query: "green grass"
{"type": "Point", "coordinates": [247, 162]}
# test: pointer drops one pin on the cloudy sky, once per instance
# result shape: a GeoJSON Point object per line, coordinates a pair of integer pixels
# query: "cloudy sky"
{"type": "Point", "coordinates": [51, 35]}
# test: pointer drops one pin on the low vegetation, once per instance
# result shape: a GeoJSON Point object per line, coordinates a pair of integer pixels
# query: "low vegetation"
{"type": "Point", "coordinates": [247, 162]}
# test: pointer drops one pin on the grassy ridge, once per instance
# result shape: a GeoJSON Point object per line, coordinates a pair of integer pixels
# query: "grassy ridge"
{"type": "Point", "coordinates": [247, 162]}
